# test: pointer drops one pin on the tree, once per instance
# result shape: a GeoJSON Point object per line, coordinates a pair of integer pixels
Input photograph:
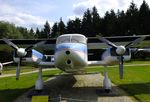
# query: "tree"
{"type": "Point", "coordinates": [132, 19]}
{"type": "Point", "coordinates": [96, 22]}
{"type": "Point", "coordinates": [37, 33]}
{"type": "Point", "coordinates": [110, 23]}
{"type": "Point", "coordinates": [74, 26]}
{"type": "Point", "coordinates": [144, 18]}
{"type": "Point", "coordinates": [26, 33]}
{"type": "Point", "coordinates": [54, 30]}
{"type": "Point", "coordinates": [121, 23]}
{"type": "Point", "coordinates": [86, 25]}
{"type": "Point", "coordinates": [31, 34]}
{"type": "Point", "coordinates": [77, 25]}
{"type": "Point", "coordinates": [9, 30]}
{"type": "Point", "coordinates": [46, 30]}
{"type": "Point", "coordinates": [61, 27]}
{"type": "Point", "coordinates": [70, 26]}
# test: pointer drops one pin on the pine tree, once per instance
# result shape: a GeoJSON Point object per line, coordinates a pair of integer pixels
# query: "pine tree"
{"type": "Point", "coordinates": [74, 26]}
{"type": "Point", "coordinates": [121, 21]}
{"type": "Point", "coordinates": [37, 34]}
{"type": "Point", "coordinates": [31, 34]}
{"type": "Point", "coordinates": [110, 23]}
{"type": "Point", "coordinates": [61, 27]}
{"type": "Point", "coordinates": [96, 22]}
{"type": "Point", "coordinates": [70, 27]}
{"type": "Point", "coordinates": [47, 30]}
{"type": "Point", "coordinates": [77, 25]}
{"type": "Point", "coordinates": [54, 30]}
{"type": "Point", "coordinates": [132, 19]}
{"type": "Point", "coordinates": [86, 26]}
{"type": "Point", "coordinates": [144, 18]}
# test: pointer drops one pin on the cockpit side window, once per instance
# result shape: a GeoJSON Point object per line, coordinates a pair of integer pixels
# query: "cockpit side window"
{"type": "Point", "coordinates": [78, 39]}
{"type": "Point", "coordinates": [63, 39]}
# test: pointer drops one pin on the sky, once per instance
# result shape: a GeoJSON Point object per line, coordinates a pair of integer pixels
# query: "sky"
{"type": "Point", "coordinates": [34, 13]}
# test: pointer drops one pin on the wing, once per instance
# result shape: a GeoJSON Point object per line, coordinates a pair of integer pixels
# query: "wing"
{"type": "Point", "coordinates": [97, 47]}
{"type": "Point", "coordinates": [6, 63]}
{"type": "Point", "coordinates": [96, 63]}
{"type": "Point", "coordinates": [48, 61]}
{"type": "Point", "coordinates": [49, 43]}
{"type": "Point", "coordinates": [42, 63]}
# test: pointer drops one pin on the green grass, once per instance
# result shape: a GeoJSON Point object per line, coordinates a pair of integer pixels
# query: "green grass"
{"type": "Point", "coordinates": [12, 69]}
{"type": "Point", "coordinates": [137, 62]}
{"type": "Point", "coordinates": [136, 81]}
{"type": "Point", "coordinates": [10, 88]}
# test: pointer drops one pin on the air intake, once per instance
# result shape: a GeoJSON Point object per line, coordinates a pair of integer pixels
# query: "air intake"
{"type": "Point", "coordinates": [68, 61]}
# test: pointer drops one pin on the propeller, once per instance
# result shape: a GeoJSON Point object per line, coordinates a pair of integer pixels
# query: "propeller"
{"type": "Point", "coordinates": [120, 50]}
{"type": "Point", "coordinates": [21, 52]}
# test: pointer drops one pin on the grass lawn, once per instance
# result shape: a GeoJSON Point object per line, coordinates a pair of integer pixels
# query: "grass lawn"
{"type": "Point", "coordinates": [10, 88]}
{"type": "Point", "coordinates": [136, 81]}
{"type": "Point", "coordinates": [12, 69]}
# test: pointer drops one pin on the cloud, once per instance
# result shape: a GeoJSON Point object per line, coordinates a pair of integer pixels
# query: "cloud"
{"type": "Point", "coordinates": [79, 9]}
{"type": "Point", "coordinates": [101, 5]}
{"type": "Point", "coordinates": [34, 13]}
{"type": "Point", "coordinates": [104, 5]}
{"type": "Point", "coordinates": [20, 17]}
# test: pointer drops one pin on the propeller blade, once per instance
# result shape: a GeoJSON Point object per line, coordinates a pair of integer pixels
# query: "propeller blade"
{"type": "Point", "coordinates": [35, 45]}
{"type": "Point", "coordinates": [121, 67]}
{"type": "Point", "coordinates": [18, 69]}
{"type": "Point", "coordinates": [135, 42]}
{"type": "Point", "coordinates": [10, 43]}
{"type": "Point", "coordinates": [106, 41]}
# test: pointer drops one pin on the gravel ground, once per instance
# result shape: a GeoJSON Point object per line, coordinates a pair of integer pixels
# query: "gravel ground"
{"type": "Point", "coordinates": [78, 88]}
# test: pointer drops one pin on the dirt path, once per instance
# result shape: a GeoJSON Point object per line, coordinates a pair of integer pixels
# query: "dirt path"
{"type": "Point", "coordinates": [35, 71]}
{"type": "Point", "coordinates": [79, 88]}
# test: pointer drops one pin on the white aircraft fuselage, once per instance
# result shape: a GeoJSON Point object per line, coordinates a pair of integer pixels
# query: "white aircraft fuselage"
{"type": "Point", "coordinates": [71, 53]}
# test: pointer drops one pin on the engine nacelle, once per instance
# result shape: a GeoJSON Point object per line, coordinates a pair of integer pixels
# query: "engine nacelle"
{"type": "Point", "coordinates": [110, 56]}
{"type": "Point", "coordinates": [32, 56]}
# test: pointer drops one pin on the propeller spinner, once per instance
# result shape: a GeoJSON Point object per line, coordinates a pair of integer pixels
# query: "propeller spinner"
{"type": "Point", "coordinates": [21, 52]}
{"type": "Point", "coordinates": [120, 50]}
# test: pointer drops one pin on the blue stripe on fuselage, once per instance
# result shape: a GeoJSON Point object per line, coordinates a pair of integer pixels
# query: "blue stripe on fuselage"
{"type": "Point", "coordinates": [73, 46]}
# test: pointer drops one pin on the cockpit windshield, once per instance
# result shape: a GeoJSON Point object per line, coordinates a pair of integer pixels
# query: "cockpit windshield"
{"type": "Point", "coordinates": [72, 38]}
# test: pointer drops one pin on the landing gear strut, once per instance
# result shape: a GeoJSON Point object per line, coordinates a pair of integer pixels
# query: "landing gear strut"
{"type": "Point", "coordinates": [106, 82]}
{"type": "Point", "coordinates": [39, 82]}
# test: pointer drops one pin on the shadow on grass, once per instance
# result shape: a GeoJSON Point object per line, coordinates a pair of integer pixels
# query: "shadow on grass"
{"type": "Point", "coordinates": [137, 89]}
{"type": "Point", "coordinates": [10, 95]}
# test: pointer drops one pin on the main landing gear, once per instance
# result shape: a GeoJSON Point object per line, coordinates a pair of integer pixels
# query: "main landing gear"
{"type": "Point", "coordinates": [106, 82]}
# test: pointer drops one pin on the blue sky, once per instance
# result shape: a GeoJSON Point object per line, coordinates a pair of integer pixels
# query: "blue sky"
{"type": "Point", "coordinates": [34, 13]}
